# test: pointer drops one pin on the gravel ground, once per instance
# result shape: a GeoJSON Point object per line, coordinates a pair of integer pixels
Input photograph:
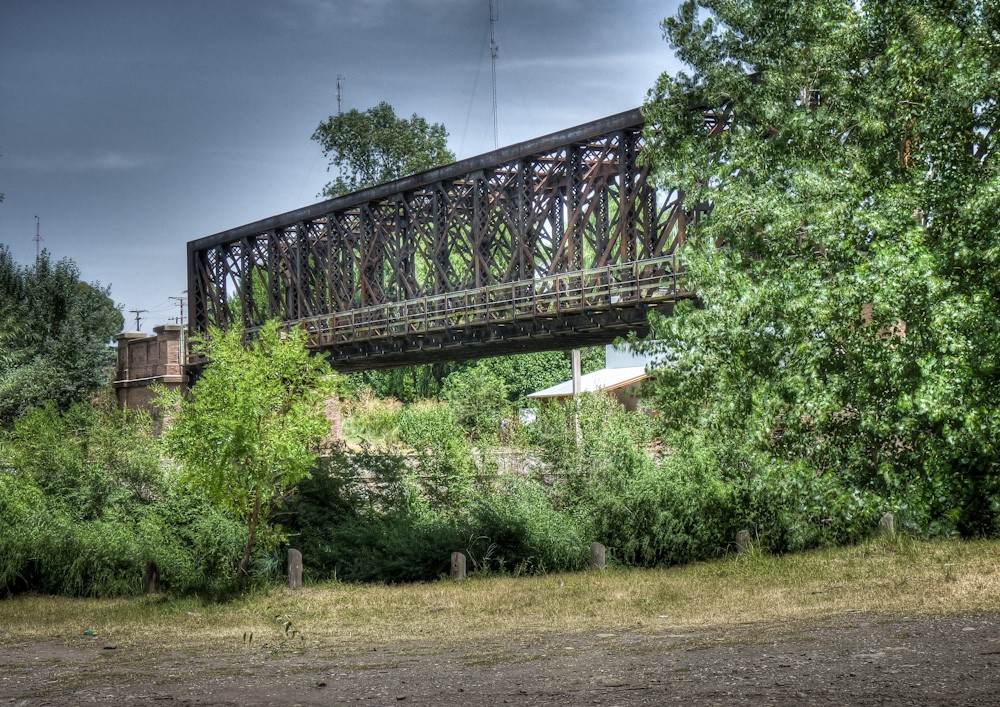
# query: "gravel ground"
{"type": "Point", "coordinates": [855, 659]}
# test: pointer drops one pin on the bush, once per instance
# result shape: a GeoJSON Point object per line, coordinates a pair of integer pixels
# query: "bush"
{"type": "Point", "coordinates": [517, 528]}
{"type": "Point", "coordinates": [85, 504]}
{"type": "Point", "coordinates": [373, 418]}
{"type": "Point", "coordinates": [478, 398]}
{"type": "Point", "coordinates": [443, 463]}
{"type": "Point", "coordinates": [361, 516]}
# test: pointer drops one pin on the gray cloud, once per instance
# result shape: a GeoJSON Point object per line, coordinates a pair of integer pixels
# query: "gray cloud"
{"type": "Point", "coordinates": [107, 161]}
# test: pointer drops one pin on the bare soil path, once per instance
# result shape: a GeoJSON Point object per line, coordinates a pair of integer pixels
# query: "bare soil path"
{"type": "Point", "coordinates": [854, 658]}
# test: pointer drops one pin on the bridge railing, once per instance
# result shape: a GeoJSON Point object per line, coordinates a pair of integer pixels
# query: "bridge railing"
{"type": "Point", "coordinates": [649, 281]}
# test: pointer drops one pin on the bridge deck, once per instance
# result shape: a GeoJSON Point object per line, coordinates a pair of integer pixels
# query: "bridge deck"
{"type": "Point", "coordinates": [578, 308]}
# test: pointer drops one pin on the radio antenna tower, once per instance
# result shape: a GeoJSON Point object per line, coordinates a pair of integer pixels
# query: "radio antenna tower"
{"type": "Point", "coordinates": [339, 104]}
{"type": "Point", "coordinates": [493, 56]}
{"type": "Point", "coordinates": [38, 238]}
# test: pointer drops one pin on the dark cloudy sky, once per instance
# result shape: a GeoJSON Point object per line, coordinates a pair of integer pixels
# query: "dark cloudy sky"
{"type": "Point", "coordinates": [132, 126]}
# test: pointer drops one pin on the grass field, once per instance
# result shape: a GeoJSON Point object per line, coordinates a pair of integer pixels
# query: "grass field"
{"type": "Point", "coordinates": [893, 577]}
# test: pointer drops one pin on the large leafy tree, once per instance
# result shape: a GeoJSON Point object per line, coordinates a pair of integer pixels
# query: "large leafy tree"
{"type": "Point", "coordinates": [850, 262]}
{"type": "Point", "coordinates": [375, 146]}
{"type": "Point", "coordinates": [55, 335]}
{"type": "Point", "coordinates": [250, 429]}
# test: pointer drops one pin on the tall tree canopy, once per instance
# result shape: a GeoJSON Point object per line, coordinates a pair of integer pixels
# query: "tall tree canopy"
{"type": "Point", "coordinates": [374, 146]}
{"type": "Point", "coordinates": [848, 265]}
{"type": "Point", "coordinates": [55, 335]}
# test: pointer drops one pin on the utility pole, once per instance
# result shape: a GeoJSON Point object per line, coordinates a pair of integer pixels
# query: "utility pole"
{"type": "Point", "coordinates": [493, 56]}
{"type": "Point", "coordinates": [138, 319]}
{"type": "Point", "coordinates": [38, 238]}
{"type": "Point", "coordinates": [340, 106]}
{"type": "Point", "coordinates": [180, 303]}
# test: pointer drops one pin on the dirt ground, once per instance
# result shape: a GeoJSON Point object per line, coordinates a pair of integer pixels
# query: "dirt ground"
{"type": "Point", "coordinates": [855, 659]}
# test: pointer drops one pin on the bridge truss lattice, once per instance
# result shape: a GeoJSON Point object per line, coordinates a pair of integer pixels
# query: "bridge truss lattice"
{"type": "Point", "coordinates": [556, 242]}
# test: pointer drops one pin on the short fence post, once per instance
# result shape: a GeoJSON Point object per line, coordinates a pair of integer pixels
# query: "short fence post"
{"type": "Point", "coordinates": [597, 556]}
{"type": "Point", "coordinates": [294, 569]}
{"type": "Point", "coordinates": [152, 578]}
{"type": "Point", "coordinates": [457, 565]}
{"type": "Point", "coordinates": [887, 526]}
{"type": "Point", "coordinates": [742, 541]}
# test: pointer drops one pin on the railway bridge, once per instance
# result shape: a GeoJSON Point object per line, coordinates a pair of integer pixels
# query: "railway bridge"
{"type": "Point", "coordinates": [554, 243]}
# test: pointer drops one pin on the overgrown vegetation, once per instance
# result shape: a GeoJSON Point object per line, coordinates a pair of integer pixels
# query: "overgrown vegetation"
{"type": "Point", "coordinates": [251, 428]}
{"type": "Point", "coordinates": [85, 504]}
{"type": "Point", "coordinates": [843, 362]}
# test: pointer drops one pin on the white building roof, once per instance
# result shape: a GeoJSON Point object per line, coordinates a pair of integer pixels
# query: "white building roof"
{"type": "Point", "coordinates": [604, 379]}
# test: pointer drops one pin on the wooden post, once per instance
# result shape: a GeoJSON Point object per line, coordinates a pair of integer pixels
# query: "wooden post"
{"type": "Point", "coordinates": [597, 556]}
{"type": "Point", "coordinates": [742, 541]}
{"type": "Point", "coordinates": [152, 578]}
{"type": "Point", "coordinates": [294, 569]}
{"type": "Point", "coordinates": [457, 565]}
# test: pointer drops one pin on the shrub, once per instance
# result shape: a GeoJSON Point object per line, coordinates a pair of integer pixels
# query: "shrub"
{"type": "Point", "coordinates": [361, 516]}
{"type": "Point", "coordinates": [372, 418]}
{"type": "Point", "coordinates": [85, 504]}
{"type": "Point", "coordinates": [443, 463]}
{"type": "Point", "coordinates": [478, 398]}
{"type": "Point", "coordinates": [518, 528]}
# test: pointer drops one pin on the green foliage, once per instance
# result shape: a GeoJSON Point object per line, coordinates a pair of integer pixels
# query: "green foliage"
{"type": "Point", "coordinates": [251, 427]}
{"type": "Point", "coordinates": [405, 383]}
{"type": "Point", "coordinates": [367, 516]}
{"type": "Point", "coordinates": [371, 418]}
{"type": "Point", "coordinates": [478, 398]}
{"type": "Point", "coordinates": [518, 528]}
{"type": "Point", "coordinates": [592, 437]}
{"type": "Point", "coordinates": [360, 517]}
{"type": "Point", "coordinates": [374, 146]}
{"type": "Point", "coordinates": [443, 461]}
{"type": "Point", "coordinates": [521, 374]}
{"type": "Point", "coordinates": [524, 374]}
{"type": "Point", "coordinates": [848, 327]}
{"type": "Point", "coordinates": [54, 335]}
{"type": "Point", "coordinates": [87, 460]}
{"type": "Point", "coordinates": [85, 504]}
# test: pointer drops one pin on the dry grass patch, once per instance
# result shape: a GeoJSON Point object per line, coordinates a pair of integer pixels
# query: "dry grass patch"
{"type": "Point", "coordinates": [898, 577]}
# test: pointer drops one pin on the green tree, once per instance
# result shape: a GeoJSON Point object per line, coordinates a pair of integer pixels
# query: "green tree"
{"type": "Point", "coordinates": [251, 426]}
{"type": "Point", "coordinates": [479, 399]}
{"type": "Point", "coordinates": [850, 314]}
{"type": "Point", "coordinates": [375, 146]}
{"type": "Point", "coordinates": [55, 335]}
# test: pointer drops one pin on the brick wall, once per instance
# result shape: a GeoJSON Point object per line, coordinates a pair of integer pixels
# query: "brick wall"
{"type": "Point", "coordinates": [144, 360]}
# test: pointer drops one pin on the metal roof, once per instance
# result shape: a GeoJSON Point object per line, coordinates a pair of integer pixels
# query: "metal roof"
{"type": "Point", "coordinates": [604, 379]}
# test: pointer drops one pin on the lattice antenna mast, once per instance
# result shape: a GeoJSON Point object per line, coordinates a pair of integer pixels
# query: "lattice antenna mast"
{"type": "Point", "coordinates": [340, 105]}
{"type": "Point", "coordinates": [494, 15]}
{"type": "Point", "coordinates": [38, 238]}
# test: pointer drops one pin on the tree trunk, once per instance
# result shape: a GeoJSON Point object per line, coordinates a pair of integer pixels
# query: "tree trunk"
{"type": "Point", "coordinates": [244, 570]}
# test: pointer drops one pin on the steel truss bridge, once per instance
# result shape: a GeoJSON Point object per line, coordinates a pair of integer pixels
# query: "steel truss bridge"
{"type": "Point", "coordinates": [553, 243]}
